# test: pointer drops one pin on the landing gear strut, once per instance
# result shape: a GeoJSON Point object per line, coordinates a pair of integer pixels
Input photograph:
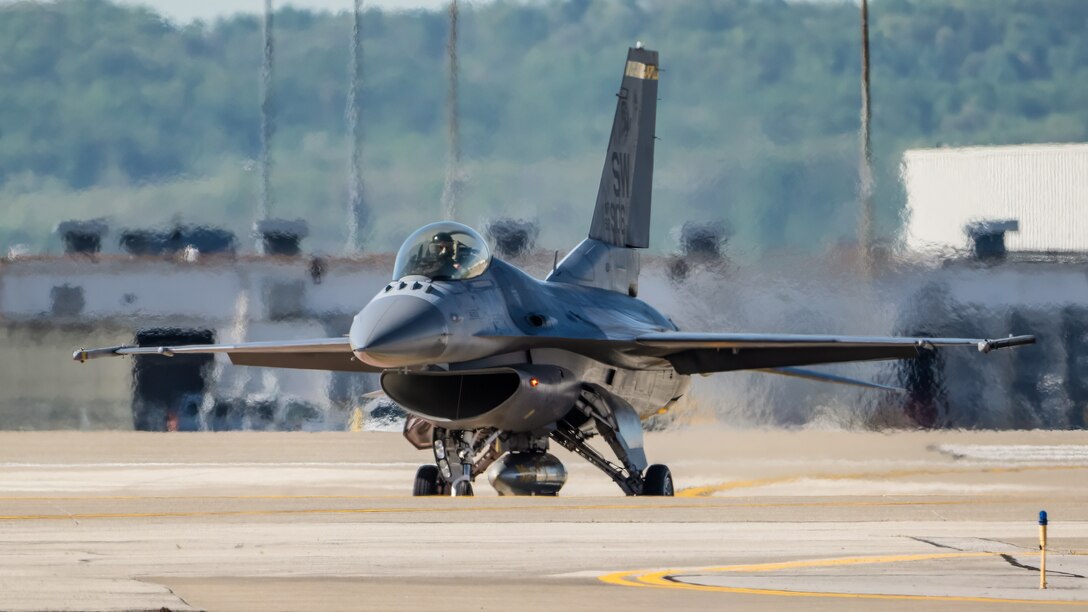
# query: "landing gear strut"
{"type": "Point", "coordinates": [619, 425]}
{"type": "Point", "coordinates": [462, 455]}
{"type": "Point", "coordinates": [459, 457]}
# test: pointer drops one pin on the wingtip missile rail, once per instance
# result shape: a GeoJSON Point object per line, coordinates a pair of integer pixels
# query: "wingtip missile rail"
{"type": "Point", "coordinates": [84, 355]}
{"type": "Point", "coordinates": [1011, 341]}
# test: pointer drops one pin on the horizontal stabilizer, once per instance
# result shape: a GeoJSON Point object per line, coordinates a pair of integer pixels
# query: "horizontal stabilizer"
{"type": "Point", "coordinates": [829, 378]}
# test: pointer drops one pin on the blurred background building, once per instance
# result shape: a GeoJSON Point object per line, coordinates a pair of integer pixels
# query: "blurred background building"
{"type": "Point", "coordinates": [956, 196]}
{"type": "Point", "coordinates": [198, 177]}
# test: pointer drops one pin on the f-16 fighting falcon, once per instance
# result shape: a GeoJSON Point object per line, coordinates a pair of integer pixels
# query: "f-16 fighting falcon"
{"type": "Point", "coordinates": [492, 364]}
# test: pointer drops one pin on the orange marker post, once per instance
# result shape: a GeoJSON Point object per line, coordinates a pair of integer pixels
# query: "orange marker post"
{"type": "Point", "coordinates": [1042, 549]}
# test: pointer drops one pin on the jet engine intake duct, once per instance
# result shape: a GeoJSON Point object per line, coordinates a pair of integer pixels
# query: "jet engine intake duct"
{"type": "Point", "coordinates": [452, 396]}
{"type": "Point", "coordinates": [518, 399]}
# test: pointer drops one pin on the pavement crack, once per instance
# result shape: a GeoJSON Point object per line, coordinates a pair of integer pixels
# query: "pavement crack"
{"type": "Point", "coordinates": [1003, 543]}
{"type": "Point", "coordinates": [938, 545]}
{"type": "Point", "coordinates": [168, 590]}
{"type": "Point", "coordinates": [180, 598]}
{"type": "Point", "coordinates": [1013, 562]}
{"type": "Point", "coordinates": [65, 512]}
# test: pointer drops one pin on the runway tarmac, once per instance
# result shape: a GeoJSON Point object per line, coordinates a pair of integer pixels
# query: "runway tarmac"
{"type": "Point", "coordinates": [765, 520]}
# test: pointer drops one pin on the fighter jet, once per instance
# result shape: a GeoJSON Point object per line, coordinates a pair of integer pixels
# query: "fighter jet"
{"type": "Point", "coordinates": [491, 364]}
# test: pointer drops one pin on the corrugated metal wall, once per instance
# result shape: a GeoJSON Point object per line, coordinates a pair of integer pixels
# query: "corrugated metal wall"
{"type": "Point", "coordinates": [1045, 187]}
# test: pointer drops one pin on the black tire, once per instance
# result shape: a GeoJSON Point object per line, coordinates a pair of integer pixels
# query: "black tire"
{"type": "Point", "coordinates": [463, 489]}
{"type": "Point", "coordinates": [427, 481]}
{"type": "Point", "coordinates": [657, 481]}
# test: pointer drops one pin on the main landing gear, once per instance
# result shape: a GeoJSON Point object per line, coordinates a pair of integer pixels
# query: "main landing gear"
{"type": "Point", "coordinates": [619, 425]}
{"type": "Point", "coordinates": [657, 481]}
{"type": "Point", "coordinates": [528, 469]}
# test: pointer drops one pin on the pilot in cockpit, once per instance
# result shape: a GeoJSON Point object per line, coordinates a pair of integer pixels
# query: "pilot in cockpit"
{"type": "Point", "coordinates": [448, 254]}
{"type": "Point", "coordinates": [444, 251]}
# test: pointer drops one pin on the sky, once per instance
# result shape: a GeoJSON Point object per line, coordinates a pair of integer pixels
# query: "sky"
{"type": "Point", "coordinates": [183, 11]}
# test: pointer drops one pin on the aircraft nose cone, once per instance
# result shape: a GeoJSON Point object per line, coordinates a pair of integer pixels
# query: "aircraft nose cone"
{"type": "Point", "coordinates": [400, 330]}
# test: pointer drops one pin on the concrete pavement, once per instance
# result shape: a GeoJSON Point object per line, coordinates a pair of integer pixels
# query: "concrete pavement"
{"type": "Point", "coordinates": [766, 520]}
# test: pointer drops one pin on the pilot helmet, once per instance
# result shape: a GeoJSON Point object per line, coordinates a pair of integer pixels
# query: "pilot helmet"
{"type": "Point", "coordinates": [442, 243]}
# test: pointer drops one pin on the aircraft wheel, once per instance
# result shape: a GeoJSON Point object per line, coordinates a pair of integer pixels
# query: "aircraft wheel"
{"type": "Point", "coordinates": [427, 481]}
{"type": "Point", "coordinates": [463, 489]}
{"type": "Point", "coordinates": [657, 481]}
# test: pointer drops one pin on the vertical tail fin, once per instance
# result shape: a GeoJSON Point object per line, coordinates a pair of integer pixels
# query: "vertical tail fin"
{"type": "Point", "coordinates": [621, 220]}
{"type": "Point", "coordinates": [622, 215]}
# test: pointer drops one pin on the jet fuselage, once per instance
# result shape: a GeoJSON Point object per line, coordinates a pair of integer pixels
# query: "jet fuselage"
{"type": "Point", "coordinates": [466, 353]}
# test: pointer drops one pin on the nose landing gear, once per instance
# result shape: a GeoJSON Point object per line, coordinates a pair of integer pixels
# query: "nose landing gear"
{"type": "Point", "coordinates": [428, 481]}
{"type": "Point", "coordinates": [525, 468]}
{"type": "Point", "coordinates": [459, 457]}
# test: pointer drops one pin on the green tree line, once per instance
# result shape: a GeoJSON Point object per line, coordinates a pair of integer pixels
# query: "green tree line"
{"type": "Point", "coordinates": [108, 110]}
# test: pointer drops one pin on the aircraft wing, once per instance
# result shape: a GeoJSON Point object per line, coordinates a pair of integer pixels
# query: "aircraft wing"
{"type": "Point", "coordinates": [318, 354]}
{"type": "Point", "coordinates": [695, 353]}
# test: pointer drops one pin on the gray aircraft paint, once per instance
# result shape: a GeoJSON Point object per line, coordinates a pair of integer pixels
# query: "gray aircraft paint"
{"type": "Point", "coordinates": [622, 213]}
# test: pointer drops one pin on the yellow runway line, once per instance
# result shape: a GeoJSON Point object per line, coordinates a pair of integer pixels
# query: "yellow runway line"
{"type": "Point", "coordinates": [456, 506]}
{"type": "Point", "coordinates": [666, 579]}
{"type": "Point", "coordinates": [16, 498]}
{"type": "Point", "coordinates": [708, 490]}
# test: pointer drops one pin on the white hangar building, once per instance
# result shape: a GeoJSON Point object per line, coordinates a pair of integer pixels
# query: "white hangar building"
{"type": "Point", "coordinates": [1038, 194]}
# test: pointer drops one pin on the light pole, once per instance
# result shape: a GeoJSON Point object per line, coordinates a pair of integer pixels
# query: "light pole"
{"type": "Point", "coordinates": [452, 186]}
{"type": "Point", "coordinates": [358, 214]}
{"type": "Point", "coordinates": [865, 167]}
{"type": "Point", "coordinates": [264, 193]}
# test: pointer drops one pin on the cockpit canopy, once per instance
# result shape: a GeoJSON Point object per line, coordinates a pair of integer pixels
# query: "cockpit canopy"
{"type": "Point", "coordinates": [443, 251]}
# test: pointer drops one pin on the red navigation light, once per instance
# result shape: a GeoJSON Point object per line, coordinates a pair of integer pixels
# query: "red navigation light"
{"type": "Point", "coordinates": [533, 382]}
